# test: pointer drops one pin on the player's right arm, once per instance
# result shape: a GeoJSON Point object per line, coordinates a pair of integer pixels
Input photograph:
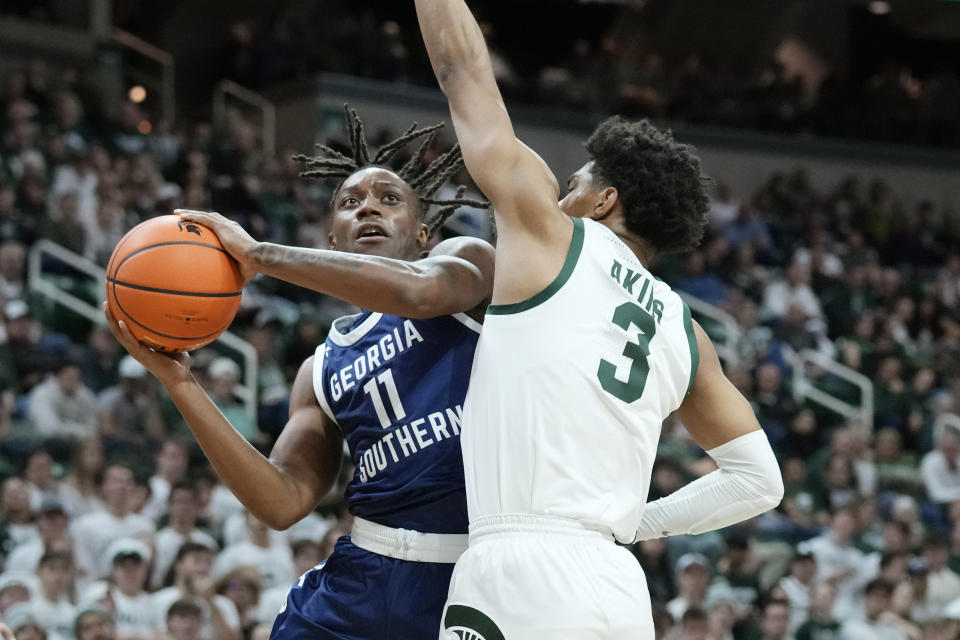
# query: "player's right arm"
{"type": "Point", "coordinates": [747, 482]}
{"type": "Point", "coordinates": [303, 465]}
{"type": "Point", "coordinates": [533, 234]}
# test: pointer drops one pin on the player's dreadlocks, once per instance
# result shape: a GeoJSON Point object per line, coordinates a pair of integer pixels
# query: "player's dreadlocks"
{"type": "Point", "coordinates": [424, 178]}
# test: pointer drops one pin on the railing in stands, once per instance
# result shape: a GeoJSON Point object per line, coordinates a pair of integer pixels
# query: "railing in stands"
{"type": "Point", "coordinates": [45, 252]}
{"type": "Point", "coordinates": [805, 387]}
{"type": "Point", "coordinates": [725, 331]}
{"type": "Point", "coordinates": [164, 82]}
{"type": "Point", "coordinates": [268, 112]}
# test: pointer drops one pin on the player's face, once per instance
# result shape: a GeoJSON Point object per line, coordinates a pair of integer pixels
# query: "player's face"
{"type": "Point", "coordinates": [585, 198]}
{"type": "Point", "coordinates": [377, 213]}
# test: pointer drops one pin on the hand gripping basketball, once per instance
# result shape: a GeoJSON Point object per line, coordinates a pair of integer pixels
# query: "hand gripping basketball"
{"type": "Point", "coordinates": [173, 283]}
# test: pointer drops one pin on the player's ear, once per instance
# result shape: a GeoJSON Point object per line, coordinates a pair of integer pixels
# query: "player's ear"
{"type": "Point", "coordinates": [331, 241]}
{"type": "Point", "coordinates": [423, 235]}
{"type": "Point", "coordinates": [607, 199]}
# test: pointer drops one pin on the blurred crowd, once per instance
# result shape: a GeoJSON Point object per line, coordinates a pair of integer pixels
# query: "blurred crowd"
{"type": "Point", "coordinates": [113, 525]}
{"type": "Point", "coordinates": [613, 74]}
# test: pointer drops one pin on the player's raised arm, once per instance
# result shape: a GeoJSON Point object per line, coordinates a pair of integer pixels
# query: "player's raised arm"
{"type": "Point", "coordinates": [305, 460]}
{"type": "Point", "coordinates": [748, 481]}
{"type": "Point", "coordinates": [521, 187]}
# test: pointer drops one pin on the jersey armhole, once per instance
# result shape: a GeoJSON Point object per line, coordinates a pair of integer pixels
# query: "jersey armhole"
{"type": "Point", "coordinates": [694, 349]}
{"type": "Point", "coordinates": [573, 254]}
{"type": "Point", "coordinates": [318, 381]}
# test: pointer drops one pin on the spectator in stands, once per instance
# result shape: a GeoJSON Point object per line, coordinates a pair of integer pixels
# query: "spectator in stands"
{"type": "Point", "coordinates": [30, 362]}
{"type": "Point", "coordinates": [67, 229]}
{"type": "Point", "coordinates": [775, 623]}
{"type": "Point", "coordinates": [128, 559]}
{"type": "Point", "coordinates": [62, 406]}
{"type": "Point", "coordinates": [943, 584]}
{"type": "Point", "coordinates": [184, 621]}
{"type": "Point", "coordinates": [94, 624]}
{"type": "Point", "coordinates": [16, 587]}
{"type": "Point", "coordinates": [941, 468]}
{"type": "Point", "coordinates": [97, 530]}
{"type": "Point", "coordinates": [38, 474]}
{"type": "Point", "coordinates": [821, 623]}
{"type": "Point", "coordinates": [100, 359]}
{"type": "Point", "coordinates": [191, 581]}
{"type": "Point", "coordinates": [25, 623]}
{"type": "Point", "coordinates": [52, 527]}
{"type": "Point", "coordinates": [81, 487]}
{"type": "Point", "coordinates": [242, 586]}
{"type": "Point", "coordinates": [799, 583]}
{"type": "Point", "coordinates": [698, 281]}
{"type": "Point", "coordinates": [16, 514]}
{"type": "Point", "coordinates": [872, 627]}
{"type": "Point", "coordinates": [692, 573]}
{"type": "Point", "coordinates": [224, 375]}
{"type": "Point", "coordinates": [181, 528]}
{"type": "Point", "coordinates": [13, 256]}
{"type": "Point", "coordinates": [52, 602]}
{"type": "Point", "coordinates": [793, 289]}
{"type": "Point", "coordinates": [841, 563]}
{"type": "Point", "coordinates": [694, 625]}
{"type": "Point", "coordinates": [273, 561]}
{"type": "Point", "coordinates": [129, 412]}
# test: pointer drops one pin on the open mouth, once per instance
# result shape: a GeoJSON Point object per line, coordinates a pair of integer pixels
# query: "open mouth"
{"type": "Point", "coordinates": [368, 232]}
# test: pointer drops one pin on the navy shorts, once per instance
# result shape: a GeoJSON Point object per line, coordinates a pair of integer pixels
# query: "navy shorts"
{"type": "Point", "coordinates": [360, 595]}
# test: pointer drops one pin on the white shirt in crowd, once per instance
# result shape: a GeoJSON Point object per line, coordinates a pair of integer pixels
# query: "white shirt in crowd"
{"type": "Point", "coordinates": [270, 603]}
{"type": "Point", "coordinates": [137, 614]}
{"type": "Point", "coordinates": [163, 599]}
{"type": "Point", "coordinates": [21, 533]}
{"type": "Point", "coordinates": [942, 481]}
{"type": "Point", "coordinates": [235, 531]}
{"type": "Point", "coordinates": [799, 596]}
{"type": "Point", "coordinates": [95, 531]}
{"type": "Point", "coordinates": [274, 563]}
{"type": "Point", "coordinates": [865, 630]}
{"type": "Point", "coordinates": [167, 543]}
{"type": "Point", "coordinates": [831, 558]}
{"type": "Point", "coordinates": [76, 504]}
{"type": "Point", "coordinates": [26, 557]}
{"type": "Point", "coordinates": [56, 617]}
{"type": "Point", "coordinates": [54, 413]}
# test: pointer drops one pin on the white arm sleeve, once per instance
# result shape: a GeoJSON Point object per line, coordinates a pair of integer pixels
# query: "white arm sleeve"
{"type": "Point", "coordinates": [747, 483]}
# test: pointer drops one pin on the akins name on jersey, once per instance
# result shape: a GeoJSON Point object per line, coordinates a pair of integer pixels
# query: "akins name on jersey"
{"type": "Point", "coordinates": [628, 279]}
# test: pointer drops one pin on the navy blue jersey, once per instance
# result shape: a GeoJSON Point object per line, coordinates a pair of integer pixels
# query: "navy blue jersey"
{"type": "Point", "coordinates": [395, 386]}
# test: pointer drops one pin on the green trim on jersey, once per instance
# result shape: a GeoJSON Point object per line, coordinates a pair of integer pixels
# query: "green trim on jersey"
{"type": "Point", "coordinates": [694, 349]}
{"type": "Point", "coordinates": [573, 254]}
{"type": "Point", "coordinates": [467, 622]}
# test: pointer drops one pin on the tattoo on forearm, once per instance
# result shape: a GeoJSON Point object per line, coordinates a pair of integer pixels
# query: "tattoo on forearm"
{"type": "Point", "coordinates": [273, 255]}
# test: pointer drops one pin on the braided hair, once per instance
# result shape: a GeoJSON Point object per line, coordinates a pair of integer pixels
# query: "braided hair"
{"type": "Point", "coordinates": [425, 178]}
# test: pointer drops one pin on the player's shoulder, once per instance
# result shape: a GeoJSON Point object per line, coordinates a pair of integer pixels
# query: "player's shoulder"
{"type": "Point", "coordinates": [466, 247]}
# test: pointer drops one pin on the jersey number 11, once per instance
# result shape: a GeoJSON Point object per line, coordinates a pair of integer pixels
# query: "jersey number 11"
{"type": "Point", "coordinates": [372, 389]}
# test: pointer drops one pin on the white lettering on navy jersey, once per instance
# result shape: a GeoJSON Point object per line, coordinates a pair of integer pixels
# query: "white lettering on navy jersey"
{"type": "Point", "coordinates": [376, 355]}
{"type": "Point", "coordinates": [412, 437]}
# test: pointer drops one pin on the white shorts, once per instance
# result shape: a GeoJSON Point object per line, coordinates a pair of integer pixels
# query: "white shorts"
{"type": "Point", "coordinates": [537, 578]}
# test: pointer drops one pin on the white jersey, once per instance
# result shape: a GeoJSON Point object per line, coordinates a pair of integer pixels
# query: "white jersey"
{"type": "Point", "coordinates": [569, 390]}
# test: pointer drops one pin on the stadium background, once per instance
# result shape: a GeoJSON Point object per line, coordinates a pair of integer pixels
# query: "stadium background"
{"type": "Point", "coordinates": [830, 280]}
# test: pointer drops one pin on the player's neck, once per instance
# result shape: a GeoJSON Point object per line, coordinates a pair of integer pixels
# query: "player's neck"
{"type": "Point", "coordinates": [640, 249]}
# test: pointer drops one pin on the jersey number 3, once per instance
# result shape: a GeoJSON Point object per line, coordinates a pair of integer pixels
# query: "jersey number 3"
{"type": "Point", "coordinates": [626, 314]}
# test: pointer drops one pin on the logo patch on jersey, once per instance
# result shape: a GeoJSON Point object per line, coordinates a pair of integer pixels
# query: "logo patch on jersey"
{"type": "Point", "coordinates": [466, 623]}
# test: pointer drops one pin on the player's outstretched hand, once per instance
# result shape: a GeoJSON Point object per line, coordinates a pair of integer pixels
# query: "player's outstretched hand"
{"type": "Point", "coordinates": [233, 237]}
{"type": "Point", "coordinates": [168, 368]}
{"type": "Point", "coordinates": [5, 632]}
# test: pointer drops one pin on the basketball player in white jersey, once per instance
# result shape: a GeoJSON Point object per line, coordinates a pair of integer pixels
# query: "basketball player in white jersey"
{"type": "Point", "coordinates": [583, 354]}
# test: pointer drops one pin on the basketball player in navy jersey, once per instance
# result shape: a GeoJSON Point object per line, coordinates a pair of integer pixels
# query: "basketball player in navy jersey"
{"type": "Point", "coordinates": [390, 380]}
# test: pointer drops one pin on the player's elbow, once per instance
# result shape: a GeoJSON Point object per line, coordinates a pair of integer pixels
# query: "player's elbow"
{"type": "Point", "coordinates": [771, 493]}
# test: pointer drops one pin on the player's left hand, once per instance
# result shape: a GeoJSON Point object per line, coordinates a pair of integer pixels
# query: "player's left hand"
{"type": "Point", "coordinates": [233, 237]}
{"type": "Point", "coordinates": [168, 368]}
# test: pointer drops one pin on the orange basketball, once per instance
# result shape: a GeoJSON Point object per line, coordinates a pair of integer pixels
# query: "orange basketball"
{"type": "Point", "coordinates": [173, 284]}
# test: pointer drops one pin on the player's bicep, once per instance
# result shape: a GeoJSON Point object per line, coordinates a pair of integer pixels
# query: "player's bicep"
{"type": "Point", "coordinates": [523, 190]}
{"type": "Point", "coordinates": [715, 412]}
{"type": "Point", "coordinates": [458, 276]}
{"type": "Point", "coordinates": [310, 449]}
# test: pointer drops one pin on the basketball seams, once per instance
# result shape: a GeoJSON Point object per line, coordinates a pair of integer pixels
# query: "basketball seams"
{"type": "Point", "coordinates": [173, 292]}
{"type": "Point", "coordinates": [164, 335]}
